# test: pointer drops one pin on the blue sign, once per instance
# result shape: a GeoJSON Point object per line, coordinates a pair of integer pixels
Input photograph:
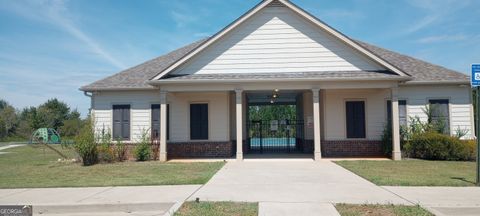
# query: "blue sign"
{"type": "Point", "coordinates": [475, 80]}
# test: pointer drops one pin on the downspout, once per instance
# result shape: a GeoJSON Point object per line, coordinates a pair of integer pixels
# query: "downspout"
{"type": "Point", "coordinates": [91, 101]}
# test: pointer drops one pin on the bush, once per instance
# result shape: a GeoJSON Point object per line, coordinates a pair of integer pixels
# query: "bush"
{"type": "Point", "coordinates": [120, 151]}
{"type": "Point", "coordinates": [85, 144]}
{"type": "Point", "coordinates": [142, 150]}
{"type": "Point", "coordinates": [436, 146]}
{"type": "Point", "coordinates": [105, 150]}
{"type": "Point", "coordinates": [386, 138]}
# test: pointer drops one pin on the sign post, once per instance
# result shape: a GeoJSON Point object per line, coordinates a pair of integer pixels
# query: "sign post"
{"type": "Point", "coordinates": [475, 82]}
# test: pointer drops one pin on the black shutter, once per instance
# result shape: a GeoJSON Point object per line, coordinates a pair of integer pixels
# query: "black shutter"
{"type": "Point", "coordinates": [121, 122]}
{"type": "Point", "coordinates": [156, 121]}
{"type": "Point", "coordinates": [355, 113]}
{"type": "Point", "coordinates": [126, 123]}
{"type": "Point", "coordinates": [440, 113]}
{"type": "Point", "coordinates": [199, 121]}
{"type": "Point", "coordinates": [402, 112]}
{"type": "Point", "coordinates": [117, 122]}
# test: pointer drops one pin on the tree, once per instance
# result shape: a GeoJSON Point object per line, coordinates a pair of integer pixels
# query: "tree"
{"type": "Point", "coordinates": [53, 113]}
{"type": "Point", "coordinates": [28, 122]}
{"type": "Point", "coordinates": [8, 119]}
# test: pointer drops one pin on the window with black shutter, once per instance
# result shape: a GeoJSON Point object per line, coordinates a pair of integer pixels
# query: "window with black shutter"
{"type": "Point", "coordinates": [402, 112]}
{"type": "Point", "coordinates": [440, 114]}
{"type": "Point", "coordinates": [355, 113]}
{"type": "Point", "coordinates": [156, 121]}
{"type": "Point", "coordinates": [199, 121]}
{"type": "Point", "coordinates": [121, 122]}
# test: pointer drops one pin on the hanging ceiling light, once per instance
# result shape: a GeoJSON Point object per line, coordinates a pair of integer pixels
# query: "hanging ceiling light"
{"type": "Point", "coordinates": [274, 96]}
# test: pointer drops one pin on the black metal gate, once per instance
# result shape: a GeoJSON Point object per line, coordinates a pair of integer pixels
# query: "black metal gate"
{"type": "Point", "coordinates": [275, 136]}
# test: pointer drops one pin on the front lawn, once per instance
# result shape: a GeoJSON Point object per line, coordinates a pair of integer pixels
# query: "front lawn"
{"type": "Point", "coordinates": [414, 172]}
{"type": "Point", "coordinates": [380, 210]}
{"type": "Point", "coordinates": [36, 166]}
{"type": "Point", "coordinates": [218, 209]}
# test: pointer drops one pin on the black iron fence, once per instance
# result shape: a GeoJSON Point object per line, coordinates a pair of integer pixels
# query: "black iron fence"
{"type": "Point", "coordinates": [275, 136]}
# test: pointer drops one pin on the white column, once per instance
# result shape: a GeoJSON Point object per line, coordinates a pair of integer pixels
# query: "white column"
{"type": "Point", "coordinates": [396, 153]}
{"type": "Point", "coordinates": [163, 126]}
{"type": "Point", "coordinates": [239, 121]}
{"type": "Point", "coordinates": [316, 124]}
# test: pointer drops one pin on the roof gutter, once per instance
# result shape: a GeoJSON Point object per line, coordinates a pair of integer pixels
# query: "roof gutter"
{"type": "Point", "coordinates": [452, 82]}
{"type": "Point", "coordinates": [85, 89]}
{"type": "Point", "coordinates": [179, 81]}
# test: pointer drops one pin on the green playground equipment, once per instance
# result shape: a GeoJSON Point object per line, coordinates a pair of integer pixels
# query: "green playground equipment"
{"type": "Point", "coordinates": [45, 136]}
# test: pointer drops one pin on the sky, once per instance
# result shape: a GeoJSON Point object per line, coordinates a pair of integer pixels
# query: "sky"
{"type": "Point", "coordinates": [50, 48]}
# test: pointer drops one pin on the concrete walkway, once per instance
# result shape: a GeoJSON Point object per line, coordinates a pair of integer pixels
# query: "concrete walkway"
{"type": "Point", "coordinates": [139, 200]}
{"type": "Point", "coordinates": [293, 182]}
{"type": "Point", "coordinates": [458, 201]}
{"type": "Point", "coordinates": [9, 146]}
{"type": "Point", "coordinates": [293, 187]}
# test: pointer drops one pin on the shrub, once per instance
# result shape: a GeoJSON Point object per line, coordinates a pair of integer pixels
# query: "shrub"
{"type": "Point", "coordinates": [436, 146]}
{"type": "Point", "coordinates": [120, 151]}
{"type": "Point", "coordinates": [85, 144]}
{"type": "Point", "coordinates": [105, 150]}
{"type": "Point", "coordinates": [387, 138]}
{"type": "Point", "coordinates": [142, 150]}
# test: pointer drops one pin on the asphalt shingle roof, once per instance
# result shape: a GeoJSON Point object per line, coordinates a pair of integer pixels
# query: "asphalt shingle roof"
{"type": "Point", "coordinates": [138, 76]}
{"type": "Point", "coordinates": [421, 71]}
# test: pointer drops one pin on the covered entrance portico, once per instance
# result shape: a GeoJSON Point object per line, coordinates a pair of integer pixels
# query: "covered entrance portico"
{"type": "Point", "coordinates": [318, 126]}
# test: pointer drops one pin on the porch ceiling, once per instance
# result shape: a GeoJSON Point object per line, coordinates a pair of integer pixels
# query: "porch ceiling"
{"type": "Point", "coordinates": [264, 97]}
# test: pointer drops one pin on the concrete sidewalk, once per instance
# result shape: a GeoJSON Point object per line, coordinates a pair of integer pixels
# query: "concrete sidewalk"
{"type": "Point", "coordinates": [443, 201]}
{"type": "Point", "coordinates": [138, 200]}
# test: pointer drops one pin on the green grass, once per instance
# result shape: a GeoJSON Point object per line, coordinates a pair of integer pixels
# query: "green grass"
{"type": "Point", "coordinates": [414, 172]}
{"type": "Point", "coordinates": [381, 210]}
{"type": "Point", "coordinates": [35, 166]}
{"type": "Point", "coordinates": [218, 209]}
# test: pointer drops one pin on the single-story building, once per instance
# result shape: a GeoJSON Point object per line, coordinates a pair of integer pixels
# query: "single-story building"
{"type": "Point", "coordinates": [196, 100]}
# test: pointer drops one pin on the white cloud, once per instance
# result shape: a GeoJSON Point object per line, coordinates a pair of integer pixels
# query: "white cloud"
{"type": "Point", "coordinates": [443, 38]}
{"type": "Point", "coordinates": [56, 12]}
{"type": "Point", "coordinates": [436, 11]}
{"type": "Point", "coordinates": [182, 19]}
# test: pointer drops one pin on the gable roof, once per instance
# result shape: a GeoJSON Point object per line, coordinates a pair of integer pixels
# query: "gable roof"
{"type": "Point", "coordinates": [421, 71]}
{"type": "Point", "coordinates": [137, 78]}
{"type": "Point", "coordinates": [336, 34]}
{"type": "Point", "coordinates": [402, 67]}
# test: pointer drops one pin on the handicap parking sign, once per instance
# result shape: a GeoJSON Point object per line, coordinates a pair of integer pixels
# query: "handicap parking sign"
{"type": "Point", "coordinates": [475, 80]}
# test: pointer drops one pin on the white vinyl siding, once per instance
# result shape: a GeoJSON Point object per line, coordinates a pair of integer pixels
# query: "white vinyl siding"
{"type": "Point", "coordinates": [140, 110]}
{"type": "Point", "coordinates": [334, 112]}
{"type": "Point", "coordinates": [460, 106]}
{"type": "Point", "coordinates": [277, 40]}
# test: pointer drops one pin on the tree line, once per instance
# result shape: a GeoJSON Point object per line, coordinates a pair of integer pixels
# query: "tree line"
{"type": "Point", "coordinates": [18, 124]}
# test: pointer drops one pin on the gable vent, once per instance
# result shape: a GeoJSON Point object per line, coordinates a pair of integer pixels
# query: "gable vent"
{"type": "Point", "coordinates": [275, 4]}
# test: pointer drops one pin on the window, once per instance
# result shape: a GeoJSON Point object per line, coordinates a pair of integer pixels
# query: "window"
{"type": "Point", "coordinates": [121, 122]}
{"type": "Point", "coordinates": [355, 111]}
{"type": "Point", "coordinates": [199, 121]}
{"type": "Point", "coordinates": [156, 121]}
{"type": "Point", "coordinates": [402, 112]}
{"type": "Point", "coordinates": [440, 114]}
